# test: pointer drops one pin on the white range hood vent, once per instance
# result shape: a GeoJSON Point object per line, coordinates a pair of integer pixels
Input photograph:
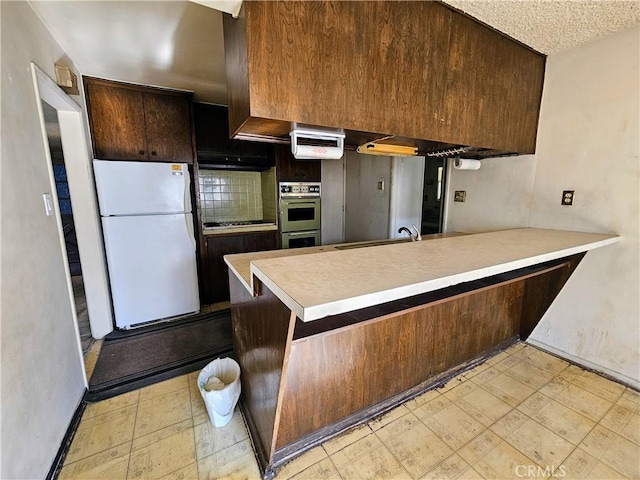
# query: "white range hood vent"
{"type": "Point", "coordinates": [316, 144]}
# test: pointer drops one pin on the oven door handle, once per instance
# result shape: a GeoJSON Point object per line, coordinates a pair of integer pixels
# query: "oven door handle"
{"type": "Point", "coordinates": [295, 234]}
{"type": "Point", "coordinates": [299, 204]}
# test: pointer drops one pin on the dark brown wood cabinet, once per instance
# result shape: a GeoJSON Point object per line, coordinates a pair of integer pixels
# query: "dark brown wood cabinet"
{"type": "Point", "coordinates": [216, 274]}
{"type": "Point", "coordinates": [288, 169]}
{"type": "Point", "coordinates": [412, 69]}
{"type": "Point", "coordinates": [132, 122]}
{"type": "Point", "coordinates": [216, 150]}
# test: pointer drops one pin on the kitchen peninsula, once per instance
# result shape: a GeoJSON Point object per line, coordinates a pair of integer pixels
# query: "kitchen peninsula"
{"type": "Point", "coordinates": [328, 337]}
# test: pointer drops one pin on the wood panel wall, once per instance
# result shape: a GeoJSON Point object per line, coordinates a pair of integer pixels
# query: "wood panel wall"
{"type": "Point", "coordinates": [335, 374]}
{"type": "Point", "coordinates": [262, 331]}
{"type": "Point", "coordinates": [301, 385]}
{"type": "Point", "coordinates": [540, 291]}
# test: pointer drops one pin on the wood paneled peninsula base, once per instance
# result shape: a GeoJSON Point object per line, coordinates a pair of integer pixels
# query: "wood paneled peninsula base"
{"type": "Point", "coordinates": [328, 338]}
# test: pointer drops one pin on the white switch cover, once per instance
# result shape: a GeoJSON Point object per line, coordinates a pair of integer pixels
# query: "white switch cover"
{"type": "Point", "coordinates": [48, 204]}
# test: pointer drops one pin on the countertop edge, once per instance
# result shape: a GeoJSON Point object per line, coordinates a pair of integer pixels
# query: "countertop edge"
{"type": "Point", "coordinates": [240, 277]}
{"type": "Point", "coordinates": [333, 308]}
{"type": "Point", "coordinates": [345, 305]}
{"type": "Point", "coordinates": [294, 306]}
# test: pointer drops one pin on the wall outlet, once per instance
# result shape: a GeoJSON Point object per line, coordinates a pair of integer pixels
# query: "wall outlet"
{"type": "Point", "coordinates": [460, 196]}
{"type": "Point", "coordinates": [567, 197]}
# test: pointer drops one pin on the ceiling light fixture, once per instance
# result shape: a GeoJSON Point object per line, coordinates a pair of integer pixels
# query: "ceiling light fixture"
{"type": "Point", "coordinates": [388, 149]}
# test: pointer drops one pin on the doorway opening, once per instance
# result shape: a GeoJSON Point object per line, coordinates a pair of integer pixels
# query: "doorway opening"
{"type": "Point", "coordinates": [433, 196]}
{"type": "Point", "coordinates": [52, 127]}
{"type": "Point", "coordinates": [79, 235]}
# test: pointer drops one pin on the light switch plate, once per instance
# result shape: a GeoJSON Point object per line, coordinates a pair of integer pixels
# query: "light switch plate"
{"type": "Point", "coordinates": [48, 204]}
{"type": "Point", "coordinates": [460, 196]}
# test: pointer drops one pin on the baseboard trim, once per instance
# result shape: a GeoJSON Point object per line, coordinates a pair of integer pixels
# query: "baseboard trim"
{"type": "Point", "coordinates": [58, 460]}
{"type": "Point", "coordinates": [587, 365]}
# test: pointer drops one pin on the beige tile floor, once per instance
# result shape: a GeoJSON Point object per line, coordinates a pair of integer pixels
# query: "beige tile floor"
{"type": "Point", "coordinates": [521, 414]}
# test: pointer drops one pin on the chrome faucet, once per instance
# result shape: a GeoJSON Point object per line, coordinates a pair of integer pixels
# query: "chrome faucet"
{"type": "Point", "coordinates": [414, 238]}
{"type": "Point", "coordinates": [405, 229]}
{"type": "Point", "coordinates": [417, 237]}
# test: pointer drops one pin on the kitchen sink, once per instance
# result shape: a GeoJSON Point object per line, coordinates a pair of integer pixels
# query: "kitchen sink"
{"type": "Point", "coordinates": [373, 243]}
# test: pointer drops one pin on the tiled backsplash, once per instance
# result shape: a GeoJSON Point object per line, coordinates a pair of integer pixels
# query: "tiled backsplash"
{"type": "Point", "coordinates": [227, 196]}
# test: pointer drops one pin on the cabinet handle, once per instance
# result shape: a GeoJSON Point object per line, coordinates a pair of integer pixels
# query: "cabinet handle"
{"type": "Point", "coordinates": [141, 152]}
{"type": "Point", "coordinates": [153, 152]}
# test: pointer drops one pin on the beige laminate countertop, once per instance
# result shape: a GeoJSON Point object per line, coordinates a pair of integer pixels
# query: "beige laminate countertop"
{"type": "Point", "coordinates": [319, 281]}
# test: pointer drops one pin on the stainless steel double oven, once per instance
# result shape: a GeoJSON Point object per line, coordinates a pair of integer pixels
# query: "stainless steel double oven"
{"type": "Point", "coordinates": [300, 214]}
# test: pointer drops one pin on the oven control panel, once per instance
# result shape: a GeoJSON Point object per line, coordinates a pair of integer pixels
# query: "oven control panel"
{"type": "Point", "coordinates": [299, 189]}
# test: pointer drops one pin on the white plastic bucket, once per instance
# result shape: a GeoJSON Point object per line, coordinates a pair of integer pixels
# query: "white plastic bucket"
{"type": "Point", "coordinates": [220, 403]}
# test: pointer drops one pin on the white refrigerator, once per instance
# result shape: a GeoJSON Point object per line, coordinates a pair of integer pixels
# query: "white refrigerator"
{"type": "Point", "coordinates": [149, 241]}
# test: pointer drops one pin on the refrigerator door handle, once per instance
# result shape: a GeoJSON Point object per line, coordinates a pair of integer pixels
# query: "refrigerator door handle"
{"type": "Point", "coordinates": [187, 190]}
{"type": "Point", "coordinates": [189, 221]}
{"type": "Point", "coordinates": [187, 207]}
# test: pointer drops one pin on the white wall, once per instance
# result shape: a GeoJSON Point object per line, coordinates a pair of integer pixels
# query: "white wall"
{"type": "Point", "coordinates": [407, 183]}
{"type": "Point", "coordinates": [332, 201]}
{"type": "Point", "coordinates": [498, 195]}
{"type": "Point", "coordinates": [41, 368]}
{"type": "Point", "coordinates": [366, 206]}
{"type": "Point", "coordinates": [401, 200]}
{"type": "Point", "coordinates": [588, 140]}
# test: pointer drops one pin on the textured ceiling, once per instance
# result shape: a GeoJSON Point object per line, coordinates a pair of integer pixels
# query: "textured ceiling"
{"type": "Point", "coordinates": [179, 44]}
{"type": "Point", "coordinates": [550, 26]}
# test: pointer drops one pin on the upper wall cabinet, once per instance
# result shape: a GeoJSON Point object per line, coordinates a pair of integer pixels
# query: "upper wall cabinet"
{"type": "Point", "coordinates": [216, 150]}
{"type": "Point", "coordinates": [417, 70]}
{"type": "Point", "coordinates": [288, 169]}
{"type": "Point", "coordinates": [131, 122]}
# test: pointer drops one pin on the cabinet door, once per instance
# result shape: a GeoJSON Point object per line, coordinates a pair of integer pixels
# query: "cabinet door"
{"type": "Point", "coordinates": [288, 169]}
{"type": "Point", "coordinates": [168, 128]}
{"type": "Point", "coordinates": [217, 288]}
{"type": "Point", "coordinates": [211, 124]}
{"type": "Point", "coordinates": [217, 273]}
{"type": "Point", "coordinates": [498, 104]}
{"type": "Point", "coordinates": [117, 122]}
{"type": "Point", "coordinates": [259, 242]}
